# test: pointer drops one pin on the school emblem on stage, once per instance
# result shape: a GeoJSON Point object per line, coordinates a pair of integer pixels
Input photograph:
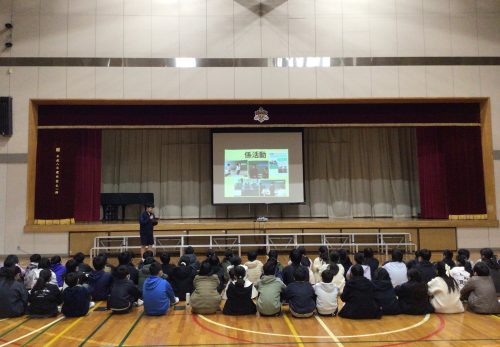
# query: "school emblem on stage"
{"type": "Point", "coordinates": [261, 115]}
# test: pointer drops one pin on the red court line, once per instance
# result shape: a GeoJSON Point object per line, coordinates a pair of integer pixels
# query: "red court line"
{"type": "Point", "coordinates": [441, 326]}
{"type": "Point", "coordinates": [195, 319]}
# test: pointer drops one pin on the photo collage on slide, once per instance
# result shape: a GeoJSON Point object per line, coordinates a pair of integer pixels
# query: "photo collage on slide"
{"type": "Point", "coordinates": [256, 173]}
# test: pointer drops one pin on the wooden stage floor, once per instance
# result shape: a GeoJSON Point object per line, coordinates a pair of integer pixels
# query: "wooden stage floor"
{"type": "Point", "coordinates": [176, 225]}
{"type": "Point", "coordinates": [181, 328]}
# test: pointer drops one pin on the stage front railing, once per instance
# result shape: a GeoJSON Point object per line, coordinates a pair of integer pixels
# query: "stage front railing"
{"type": "Point", "coordinates": [382, 242]}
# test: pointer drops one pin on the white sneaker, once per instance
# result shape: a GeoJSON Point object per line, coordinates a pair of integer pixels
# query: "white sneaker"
{"type": "Point", "coordinates": [176, 300]}
{"type": "Point", "coordinates": [139, 302]}
{"type": "Point", "coordinates": [92, 304]}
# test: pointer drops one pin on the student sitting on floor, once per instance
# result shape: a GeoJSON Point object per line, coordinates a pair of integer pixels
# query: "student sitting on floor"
{"type": "Point", "coordinates": [459, 273]}
{"type": "Point", "coordinates": [228, 254]}
{"type": "Point", "coordinates": [338, 277]}
{"type": "Point", "coordinates": [254, 267]}
{"type": "Point", "coordinates": [359, 258]}
{"type": "Point", "coordinates": [72, 267]}
{"type": "Point", "coordinates": [124, 292]}
{"type": "Point", "coordinates": [425, 266]}
{"type": "Point", "coordinates": [44, 297]}
{"type": "Point", "coordinates": [448, 258]}
{"type": "Point", "coordinates": [166, 267]}
{"type": "Point", "coordinates": [206, 297]}
{"type": "Point", "coordinates": [193, 260]}
{"type": "Point", "coordinates": [359, 297]}
{"type": "Point", "coordinates": [444, 292]}
{"type": "Point", "coordinates": [335, 260]}
{"type": "Point", "coordinates": [371, 261]}
{"type": "Point", "coordinates": [344, 260]}
{"type": "Point", "coordinates": [468, 264]}
{"type": "Point", "coordinates": [385, 296]}
{"type": "Point", "coordinates": [412, 295]}
{"type": "Point", "coordinates": [157, 293]}
{"type": "Point", "coordinates": [144, 272]}
{"type": "Point", "coordinates": [216, 269]}
{"type": "Point", "coordinates": [13, 259]}
{"type": "Point", "coordinates": [480, 291]}
{"type": "Point", "coordinates": [125, 258]}
{"type": "Point", "coordinates": [76, 298]}
{"type": "Point", "coordinates": [320, 264]}
{"type": "Point", "coordinates": [100, 282]}
{"type": "Point", "coordinates": [396, 268]}
{"type": "Point", "coordinates": [300, 294]}
{"type": "Point", "coordinates": [490, 259]}
{"type": "Point", "coordinates": [82, 267]}
{"type": "Point", "coordinates": [183, 277]}
{"type": "Point", "coordinates": [29, 282]}
{"type": "Point", "coordinates": [239, 298]}
{"type": "Point", "coordinates": [273, 254]}
{"type": "Point", "coordinates": [58, 269]}
{"type": "Point", "coordinates": [14, 296]}
{"type": "Point", "coordinates": [289, 270]}
{"type": "Point", "coordinates": [147, 254]}
{"type": "Point", "coordinates": [44, 264]}
{"type": "Point", "coordinates": [326, 294]}
{"type": "Point", "coordinates": [232, 279]}
{"type": "Point", "coordinates": [270, 290]}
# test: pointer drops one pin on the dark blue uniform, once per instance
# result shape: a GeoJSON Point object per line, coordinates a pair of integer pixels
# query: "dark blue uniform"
{"type": "Point", "coordinates": [147, 221]}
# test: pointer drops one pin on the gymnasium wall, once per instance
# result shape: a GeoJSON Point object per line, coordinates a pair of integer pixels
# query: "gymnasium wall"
{"type": "Point", "coordinates": [235, 29]}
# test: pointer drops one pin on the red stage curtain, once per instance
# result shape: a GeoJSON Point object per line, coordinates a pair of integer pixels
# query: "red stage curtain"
{"type": "Point", "coordinates": [88, 176]}
{"type": "Point", "coordinates": [68, 174]}
{"type": "Point", "coordinates": [450, 169]}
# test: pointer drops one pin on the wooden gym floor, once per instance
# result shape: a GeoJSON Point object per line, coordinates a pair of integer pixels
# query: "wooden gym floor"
{"type": "Point", "coordinates": [181, 328]}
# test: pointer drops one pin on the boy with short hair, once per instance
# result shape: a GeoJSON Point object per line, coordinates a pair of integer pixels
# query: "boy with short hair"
{"type": "Point", "coordinates": [100, 281]}
{"type": "Point", "coordinates": [123, 293]}
{"type": "Point", "coordinates": [254, 267]}
{"type": "Point", "coordinates": [326, 294]}
{"type": "Point", "coordinates": [82, 267]}
{"type": "Point", "coordinates": [270, 289]}
{"type": "Point", "coordinates": [157, 293]}
{"type": "Point", "coordinates": [300, 294]}
{"type": "Point", "coordinates": [76, 298]}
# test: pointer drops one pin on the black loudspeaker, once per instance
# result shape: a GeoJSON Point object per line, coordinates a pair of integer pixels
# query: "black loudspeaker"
{"type": "Point", "coordinates": [6, 116]}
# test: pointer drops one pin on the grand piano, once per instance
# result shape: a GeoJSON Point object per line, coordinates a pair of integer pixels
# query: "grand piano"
{"type": "Point", "coordinates": [111, 201]}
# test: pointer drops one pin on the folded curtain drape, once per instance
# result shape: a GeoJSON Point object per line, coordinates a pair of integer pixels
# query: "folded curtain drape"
{"type": "Point", "coordinates": [349, 172]}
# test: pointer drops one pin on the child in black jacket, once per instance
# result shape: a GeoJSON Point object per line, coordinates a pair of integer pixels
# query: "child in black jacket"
{"type": "Point", "coordinates": [124, 293]}
{"type": "Point", "coordinates": [44, 297]}
{"type": "Point", "coordinates": [385, 296]}
{"type": "Point", "coordinates": [239, 298]}
{"type": "Point", "coordinates": [76, 298]}
{"type": "Point", "coordinates": [359, 297]}
{"type": "Point", "coordinates": [300, 294]}
{"type": "Point", "coordinates": [413, 297]}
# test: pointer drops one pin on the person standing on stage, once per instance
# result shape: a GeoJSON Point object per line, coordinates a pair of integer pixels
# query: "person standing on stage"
{"type": "Point", "coordinates": [147, 221]}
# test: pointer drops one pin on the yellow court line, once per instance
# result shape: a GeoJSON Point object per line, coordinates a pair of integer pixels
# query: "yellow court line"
{"type": "Point", "coordinates": [58, 336]}
{"type": "Point", "coordinates": [424, 320]}
{"type": "Point", "coordinates": [495, 316]}
{"type": "Point", "coordinates": [329, 332]}
{"type": "Point", "coordinates": [292, 329]}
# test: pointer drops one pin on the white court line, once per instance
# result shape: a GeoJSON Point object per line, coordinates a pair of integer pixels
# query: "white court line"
{"type": "Point", "coordinates": [425, 319]}
{"type": "Point", "coordinates": [33, 332]}
{"type": "Point", "coordinates": [329, 332]}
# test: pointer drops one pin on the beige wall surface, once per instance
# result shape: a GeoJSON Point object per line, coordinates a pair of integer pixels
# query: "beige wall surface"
{"type": "Point", "coordinates": [227, 29]}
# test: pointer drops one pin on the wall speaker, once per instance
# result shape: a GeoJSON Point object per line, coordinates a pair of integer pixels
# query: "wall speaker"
{"type": "Point", "coordinates": [6, 116]}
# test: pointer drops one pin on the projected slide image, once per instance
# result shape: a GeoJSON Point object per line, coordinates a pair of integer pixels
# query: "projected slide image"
{"type": "Point", "coordinates": [236, 168]}
{"type": "Point", "coordinates": [273, 188]}
{"type": "Point", "coordinates": [256, 173]}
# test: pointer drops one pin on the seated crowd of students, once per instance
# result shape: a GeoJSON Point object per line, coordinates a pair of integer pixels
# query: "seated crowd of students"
{"type": "Point", "coordinates": [46, 287]}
